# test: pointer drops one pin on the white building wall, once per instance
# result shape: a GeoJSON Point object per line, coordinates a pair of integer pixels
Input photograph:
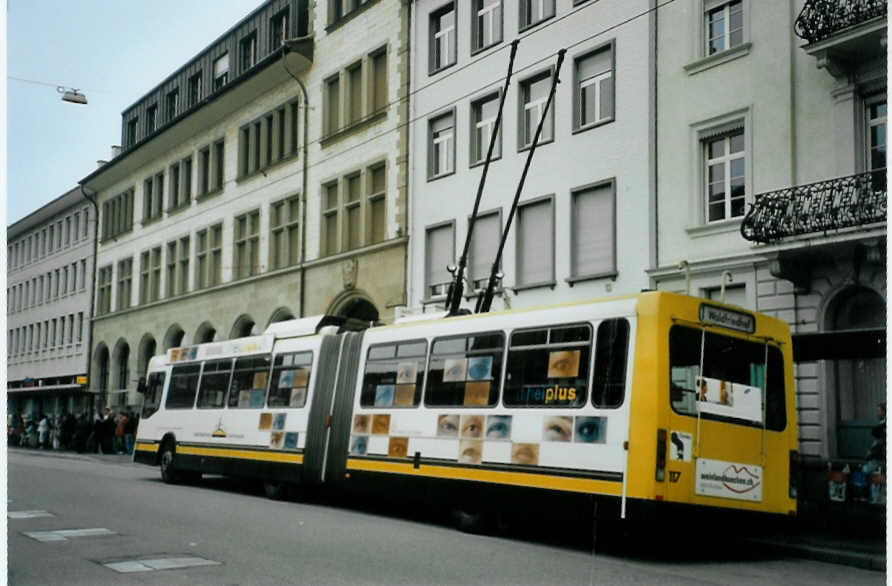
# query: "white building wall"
{"type": "Point", "coordinates": [617, 150]}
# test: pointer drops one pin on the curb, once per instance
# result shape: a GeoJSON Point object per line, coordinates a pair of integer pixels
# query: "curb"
{"type": "Point", "coordinates": [69, 455]}
{"type": "Point", "coordinates": [867, 561]}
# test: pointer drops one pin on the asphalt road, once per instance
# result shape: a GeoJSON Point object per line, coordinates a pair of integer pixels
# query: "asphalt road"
{"type": "Point", "coordinates": [157, 534]}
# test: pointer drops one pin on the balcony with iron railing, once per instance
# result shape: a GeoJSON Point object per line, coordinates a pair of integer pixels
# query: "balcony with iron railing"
{"type": "Point", "coordinates": [831, 205]}
{"type": "Point", "coordinates": [842, 34]}
{"type": "Point", "coordinates": [820, 19]}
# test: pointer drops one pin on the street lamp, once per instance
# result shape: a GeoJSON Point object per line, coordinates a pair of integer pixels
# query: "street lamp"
{"type": "Point", "coordinates": [71, 95]}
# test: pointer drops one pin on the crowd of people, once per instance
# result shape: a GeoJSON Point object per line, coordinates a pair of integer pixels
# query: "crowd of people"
{"type": "Point", "coordinates": [105, 433]}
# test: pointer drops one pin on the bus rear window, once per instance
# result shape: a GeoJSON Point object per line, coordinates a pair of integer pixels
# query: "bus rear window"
{"type": "Point", "coordinates": [183, 385]}
{"type": "Point", "coordinates": [611, 353]}
{"type": "Point", "coordinates": [465, 371]}
{"type": "Point", "coordinates": [731, 387]}
{"type": "Point", "coordinates": [393, 375]}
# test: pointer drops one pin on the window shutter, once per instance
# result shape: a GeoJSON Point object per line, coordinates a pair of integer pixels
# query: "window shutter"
{"type": "Point", "coordinates": [484, 243]}
{"type": "Point", "coordinates": [593, 225]}
{"type": "Point", "coordinates": [439, 253]}
{"type": "Point", "coordinates": [595, 64]}
{"type": "Point", "coordinates": [536, 233]}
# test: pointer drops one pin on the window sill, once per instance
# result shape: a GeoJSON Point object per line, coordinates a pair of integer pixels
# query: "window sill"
{"type": "Point", "coordinates": [208, 195]}
{"type": "Point", "coordinates": [286, 158]}
{"type": "Point", "coordinates": [541, 143]}
{"type": "Point", "coordinates": [718, 58]}
{"type": "Point", "coordinates": [484, 48]}
{"type": "Point", "coordinates": [525, 27]}
{"type": "Point", "coordinates": [580, 129]}
{"type": "Point", "coordinates": [580, 278]}
{"type": "Point", "coordinates": [148, 221]}
{"type": "Point", "coordinates": [439, 70]}
{"type": "Point", "coordinates": [483, 160]}
{"type": "Point", "coordinates": [179, 208]}
{"type": "Point", "coordinates": [335, 25]}
{"type": "Point", "coordinates": [721, 227]}
{"type": "Point", "coordinates": [440, 176]}
{"type": "Point", "coordinates": [550, 284]}
{"type": "Point", "coordinates": [353, 127]}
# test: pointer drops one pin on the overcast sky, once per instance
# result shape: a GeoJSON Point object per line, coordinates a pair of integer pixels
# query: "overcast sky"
{"type": "Point", "coordinates": [114, 51]}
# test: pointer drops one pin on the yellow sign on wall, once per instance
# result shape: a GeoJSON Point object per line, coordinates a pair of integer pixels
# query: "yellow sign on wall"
{"type": "Point", "coordinates": [81, 380]}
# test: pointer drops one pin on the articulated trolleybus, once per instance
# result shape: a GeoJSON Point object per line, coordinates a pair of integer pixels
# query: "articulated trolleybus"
{"type": "Point", "coordinates": [648, 403]}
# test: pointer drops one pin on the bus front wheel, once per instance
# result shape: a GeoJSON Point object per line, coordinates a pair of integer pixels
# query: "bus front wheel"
{"type": "Point", "coordinates": [168, 468]}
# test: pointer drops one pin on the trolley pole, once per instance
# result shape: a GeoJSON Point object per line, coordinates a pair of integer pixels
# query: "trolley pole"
{"type": "Point", "coordinates": [456, 289]}
{"type": "Point", "coordinates": [484, 302]}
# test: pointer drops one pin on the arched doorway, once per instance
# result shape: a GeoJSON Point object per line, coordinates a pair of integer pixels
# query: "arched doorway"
{"type": "Point", "coordinates": [146, 350]}
{"type": "Point", "coordinates": [355, 306]}
{"type": "Point", "coordinates": [243, 326]}
{"type": "Point", "coordinates": [859, 383]}
{"type": "Point", "coordinates": [100, 372]}
{"type": "Point", "coordinates": [281, 314]}
{"type": "Point", "coordinates": [120, 365]}
{"type": "Point", "coordinates": [205, 333]}
{"type": "Point", "coordinates": [174, 337]}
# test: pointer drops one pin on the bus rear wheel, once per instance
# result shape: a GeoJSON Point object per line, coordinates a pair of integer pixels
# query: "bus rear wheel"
{"type": "Point", "coordinates": [169, 472]}
{"type": "Point", "coordinates": [276, 491]}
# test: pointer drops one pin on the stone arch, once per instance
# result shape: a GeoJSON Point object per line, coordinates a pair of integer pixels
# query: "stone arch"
{"type": "Point", "coordinates": [173, 338]}
{"type": "Point", "coordinates": [354, 304]}
{"type": "Point", "coordinates": [120, 365]}
{"type": "Point", "coordinates": [145, 351]}
{"type": "Point", "coordinates": [280, 314]}
{"type": "Point", "coordinates": [244, 325]}
{"type": "Point", "coordinates": [206, 332]}
{"type": "Point", "coordinates": [100, 370]}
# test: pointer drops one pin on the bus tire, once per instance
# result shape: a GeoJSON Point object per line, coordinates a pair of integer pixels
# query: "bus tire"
{"type": "Point", "coordinates": [169, 472]}
{"type": "Point", "coordinates": [276, 491]}
{"type": "Point", "coordinates": [469, 520]}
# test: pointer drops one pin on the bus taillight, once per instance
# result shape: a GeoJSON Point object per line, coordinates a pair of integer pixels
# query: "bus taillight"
{"type": "Point", "coordinates": [794, 473]}
{"type": "Point", "coordinates": [661, 455]}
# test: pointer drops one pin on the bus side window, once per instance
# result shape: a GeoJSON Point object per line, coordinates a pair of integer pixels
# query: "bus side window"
{"type": "Point", "coordinates": [611, 354]}
{"type": "Point", "coordinates": [183, 385]}
{"type": "Point", "coordinates": [249, 382]}
{"type": "Point", "coordinates": [152, 397]}
{"type": "Point", "coordinates": [291, 379]}
{"type": "Point", "coordinates": [548, 367]}
{"type": "Point", "coordinates": [465, 371]}
{"type": "Point", "coordinates": [393, 375]}
{"type": "Point", "coordinates": [214, 382]}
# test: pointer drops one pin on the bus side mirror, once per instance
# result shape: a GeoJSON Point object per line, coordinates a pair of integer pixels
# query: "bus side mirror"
{"type": "Point", "coordinates": [141, 386]}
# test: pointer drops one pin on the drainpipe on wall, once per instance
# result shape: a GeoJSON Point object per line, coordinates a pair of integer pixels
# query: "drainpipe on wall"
{"type": "Point", "coordinates": [287, 44]}
{"type": "Point", "coordinates": [103, 398]}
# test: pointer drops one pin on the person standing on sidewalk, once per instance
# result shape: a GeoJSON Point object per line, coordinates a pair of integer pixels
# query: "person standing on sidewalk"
{"type": "Point", "coordinates": [43, 428]}
{"type": "Point", "coordinates": [129, 432]}
{"type": "Point", "coordinates": [119, 433]}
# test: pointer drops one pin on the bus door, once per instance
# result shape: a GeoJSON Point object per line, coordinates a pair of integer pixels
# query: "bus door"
{"type": "Point", "coordinates": [719, 439]}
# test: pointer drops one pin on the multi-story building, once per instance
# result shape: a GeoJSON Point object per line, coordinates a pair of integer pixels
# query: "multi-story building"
{"type": "Point", "coordinates": [583, 227]}
{"type": "Point", "coordinates": [771, 157]}
{"type": "Point", "coordinates": [263, 180]}
{"type": "Point", "coordinates": [48, 275]}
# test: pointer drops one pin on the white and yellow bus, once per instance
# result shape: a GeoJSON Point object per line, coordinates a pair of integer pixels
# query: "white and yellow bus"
{"type": "Point", "coordinates": [650, 402]}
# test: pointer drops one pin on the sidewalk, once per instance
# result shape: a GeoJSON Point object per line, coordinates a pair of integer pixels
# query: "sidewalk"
{"type": "Point", "coordinates": [73, 455]}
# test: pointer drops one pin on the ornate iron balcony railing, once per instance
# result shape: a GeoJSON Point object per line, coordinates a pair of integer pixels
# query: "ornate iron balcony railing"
{"type": "Point", "coordinates": [820, 19]}
{"type": "Point", "coordinates": [834, 204]}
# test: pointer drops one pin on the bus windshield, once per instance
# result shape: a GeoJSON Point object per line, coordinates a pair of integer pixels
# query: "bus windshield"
{"type": "Point", "coordinates": [732, 385]}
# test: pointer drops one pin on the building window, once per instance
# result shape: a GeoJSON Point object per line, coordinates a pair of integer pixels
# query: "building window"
{"type": "Point", "coordinates": [247, 245]}
{"type": "Point", "coordinates": [173, 104]}
{"type": "Point", "coordinates": [105, 281]}
{"type": "Point", "coordinates": [442, 38]}
{"type": "Point", "coordinates": [195, 89]}
{"type": "Point", "coordinates": [330, 207]}
{"type": "Point", "coordinates": [876, 132]}
{"type": "Point", "coordinates": [377, 204]}
{"type": "Point", "coordinates": [117, 215]}
{"type": "Point", "coordinates": [354, 93]}
{"type": "Point", "coordinates": [171, 288]}
{"type": "Point", "coordinates": [535, 243]}
{"type": "Point", "coordinates": [173, 191]}
{"type": "Point", "coordinates": [283, 248]}
{"type": "Point", "coordinates": [439, 253]}
{"type": "Point", "coordinates": [77, 224]}
{"type": "Point", "coordinates": [534, 96]}
{"type": "Point", "coordinates": [247, 52]}
{"type": "Point", "coordinates": [153, 193]}
{"type": "Point", "coordinates": [208, 256]}
{"type": "Point", "coordinates": [219, 165]}
{"type": "Point", "coordinates": [278, 26]}
{"type": "Point", "coordinates": [151, 119]}
{"type": "Point", "coordinates": [441, 146]}
{"type": "Point", "coordinates": [83, 274]}
{"type": "Point", "coordinates": [535, 11]}
{"type": "Point", "coordinates": [221, 71]}
{"type": "Point", "coordinates": [487, 28]}
{"type": "Point", "coordinates": [183, 272]}
{"type": "Point", "coordinates": [352, 212]}
{"type": "Point", "coordinates": [332, 105]}
{"type": "Point", "coordinates": [725, 159]}
{"type": "Point", "coordinates": [484, 244]}
{"type": "Point", "coordinates": [483, 121]}
{"type": "Point", "coordinates": [594, 96]}
{"type": "Point", "coordinates": [593, 232]}
{"type": "Point", "coordinates": [204, 170]}
{"type": "Point", "coordinates": [86, 217]}
{"type": "Point", "coordinates": [131, 131]}
{"type": "Point", "coordinates": [125, 283]}
{"type": "Point", "coordinates": [80, 326]}
{"type": "Point", "coordinates": [378, 86]}
{"type": "Point", "coordinates": [150, 276]}
{"type": "Point", "coordinates": [724, 25]}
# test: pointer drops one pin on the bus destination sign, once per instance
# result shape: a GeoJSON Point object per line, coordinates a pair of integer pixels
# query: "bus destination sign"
{"type": "Point", "coordinates": [727, 318]}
